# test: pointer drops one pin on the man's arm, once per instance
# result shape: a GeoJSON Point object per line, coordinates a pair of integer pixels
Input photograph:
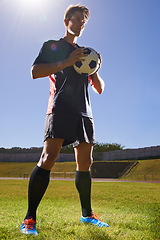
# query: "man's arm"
{"type": "Point", "coordinates": [98, 83]}
{"type": "Point", "coordinates": [46, 69]}
{"type": "Point", "coordinates": [41, 70]}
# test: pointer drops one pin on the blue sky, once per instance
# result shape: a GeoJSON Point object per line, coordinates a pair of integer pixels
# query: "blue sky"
{"type": "Point", "coordinates": [125, 32]}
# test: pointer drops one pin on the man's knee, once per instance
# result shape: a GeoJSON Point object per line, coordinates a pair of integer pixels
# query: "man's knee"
{"type": "Point", "coordinates": [50, 153]}
{"type": "Point", "coordinates": [83, 154]}
{"type": "Point", "coordinates": [49, 156]}
{"type": "Point", "coordinates": [84, 164]}
{"type": "Point", "coordinates": [47, 160]}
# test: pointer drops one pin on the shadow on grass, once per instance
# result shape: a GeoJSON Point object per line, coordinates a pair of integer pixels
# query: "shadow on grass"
{"type": "Point", "coordinates": [74, 232]}
{"type": "Point", "coordinates": [97, 233]}
{"type": "Point", "coordinates": [155, 222]}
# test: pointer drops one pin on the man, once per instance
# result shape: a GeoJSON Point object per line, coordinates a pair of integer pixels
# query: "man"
{"type": "Point", "coordinates": [69, 116]}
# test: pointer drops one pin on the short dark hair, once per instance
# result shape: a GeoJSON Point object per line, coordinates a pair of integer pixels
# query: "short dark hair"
{"type": "Point", "coordinates": [73, 8]}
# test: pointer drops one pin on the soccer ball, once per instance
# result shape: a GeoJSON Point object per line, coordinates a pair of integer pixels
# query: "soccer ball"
{"type": "Point", "coordinates": [90, 65]}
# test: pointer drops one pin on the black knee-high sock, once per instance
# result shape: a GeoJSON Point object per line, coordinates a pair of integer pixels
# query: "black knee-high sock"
{"type": "Point", "coordinates": [38, 184]}
{"type": "Point", "coordinates": [83, 185]}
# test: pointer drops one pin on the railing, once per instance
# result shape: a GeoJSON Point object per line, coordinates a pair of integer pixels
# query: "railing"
{"type": "Point", "coordinates": [56, 175]}
{"type": "Point", "coordinates": [62, 174]}
{"type": "Point", "coordinates": [142, 177]}
{"type": "Point", "coordinates": [26, 175]}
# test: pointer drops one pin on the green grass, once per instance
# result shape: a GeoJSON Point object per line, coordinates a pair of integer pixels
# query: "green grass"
{"type": "Point", "coordinates": [18, 169]}
{"type": "Point", "coordinates": [131, 209]}
{"type": "Point", "coordinates": [146, 170]}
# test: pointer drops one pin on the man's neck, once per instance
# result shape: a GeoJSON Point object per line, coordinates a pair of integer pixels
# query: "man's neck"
{"type": "Point", "coordinates": [70, 38]}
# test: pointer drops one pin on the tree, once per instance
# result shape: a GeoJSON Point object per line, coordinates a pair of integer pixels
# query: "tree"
{"type": "Point", "coordinates": [107, 147]}
{"type": "Point", "coordinates": [98, 147]}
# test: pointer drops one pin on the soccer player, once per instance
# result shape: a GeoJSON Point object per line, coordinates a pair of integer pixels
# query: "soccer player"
{"type": "Point", "coordinates": [69, 116]}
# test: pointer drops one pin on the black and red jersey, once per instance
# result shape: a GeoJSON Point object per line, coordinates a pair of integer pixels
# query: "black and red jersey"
{"type": "Point", "coordinates": [68, 89]}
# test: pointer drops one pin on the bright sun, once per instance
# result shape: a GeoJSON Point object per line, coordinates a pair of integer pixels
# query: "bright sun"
{"type": "Point", "coordinates": [26, 5]}
{"type": "Point", "coordinates": [31, 3]}
{"type": "Point", "coordinates": [27, 9]}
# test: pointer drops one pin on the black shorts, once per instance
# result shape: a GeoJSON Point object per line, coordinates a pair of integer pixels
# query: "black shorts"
{"type": "Point", "coordinates": [72, 128]}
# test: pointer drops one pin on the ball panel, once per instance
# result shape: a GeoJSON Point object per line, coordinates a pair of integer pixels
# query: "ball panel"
{"type": "Point", "coordinates": [88, 51]}
{"type": "Point", "coordinates": [93, 64]}
{"type": "Point", "coordinates": [78, 64]}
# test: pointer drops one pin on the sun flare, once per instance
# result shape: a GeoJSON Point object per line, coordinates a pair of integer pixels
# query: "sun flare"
{"type": "Point", "coordinates": [31, 3]}
{"type": "Point", "coordinates": [31, 9]}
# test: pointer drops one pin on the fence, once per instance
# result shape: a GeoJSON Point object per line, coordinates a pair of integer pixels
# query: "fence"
{"type": "Point", "coordinates": [33, 157]}
{"type": "Point", "coordinates": [142, 177]}
{"type": "Point", "coordinates": [62, 174]}
{"type": "Point", "coordinates": [54, 175]}
{"type": "Point", "coordinates": [125, 154]}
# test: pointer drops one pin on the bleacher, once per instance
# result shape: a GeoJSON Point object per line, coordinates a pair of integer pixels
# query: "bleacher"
{"type": "Point", "coordinates": [110, 169]}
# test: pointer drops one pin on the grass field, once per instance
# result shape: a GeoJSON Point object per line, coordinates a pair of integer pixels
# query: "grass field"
{"type": "Point", "coordinates": [131, 209]}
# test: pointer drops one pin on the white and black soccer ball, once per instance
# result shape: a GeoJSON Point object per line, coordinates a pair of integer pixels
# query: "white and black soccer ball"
{"type": "Point", "coordinates": [90, 65]}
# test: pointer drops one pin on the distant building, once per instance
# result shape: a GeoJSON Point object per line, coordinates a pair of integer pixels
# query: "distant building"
{"type": "Point", "coordinates": [32, 157]}
{"type": "Point", "coordinates": [125, 154]}
{"type": "Point", "coordinates": [129, 154]}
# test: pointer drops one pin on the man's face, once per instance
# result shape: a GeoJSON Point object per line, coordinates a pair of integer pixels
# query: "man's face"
{"type": "Point", "coordinates": [76, 24]}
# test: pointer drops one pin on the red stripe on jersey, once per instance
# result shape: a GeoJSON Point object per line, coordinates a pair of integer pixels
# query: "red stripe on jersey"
{"type": "Point", "coordinates": [52, 92]}
{"type": "Point", "coordinates": [90, 79]}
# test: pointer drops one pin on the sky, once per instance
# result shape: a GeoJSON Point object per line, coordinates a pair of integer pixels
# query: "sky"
{"type": "Point", "coordinates": [127, 35]}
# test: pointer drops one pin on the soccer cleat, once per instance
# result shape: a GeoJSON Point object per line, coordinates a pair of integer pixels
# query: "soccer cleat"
{"type": "Point", "coordinates": [29, 227]}
{"type": "Point", "coordinates": [94, 219]}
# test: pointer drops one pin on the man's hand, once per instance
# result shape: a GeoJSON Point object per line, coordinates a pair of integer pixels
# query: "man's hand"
{"type": "Point", "coordinates": [77, 55]}
{"type": "Point", "coordinates": [100, 58]}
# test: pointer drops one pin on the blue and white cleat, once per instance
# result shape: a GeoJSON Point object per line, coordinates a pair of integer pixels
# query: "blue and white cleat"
{"type": "Point", "coordinates": [29, 227]}
{"type": "Point", "coordinates": [94, 219]}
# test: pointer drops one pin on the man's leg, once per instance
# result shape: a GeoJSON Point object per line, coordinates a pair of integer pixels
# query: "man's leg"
{"type": "Point", "coordinates": [40, 176]}
{"type": "Point", "coordinates": [83, 154]}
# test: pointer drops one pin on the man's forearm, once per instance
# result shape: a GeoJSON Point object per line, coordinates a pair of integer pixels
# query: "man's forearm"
{"type": "Point", "coordinates": [98, 83]}
{"type": "Point", "coordinates": [46, 69]}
